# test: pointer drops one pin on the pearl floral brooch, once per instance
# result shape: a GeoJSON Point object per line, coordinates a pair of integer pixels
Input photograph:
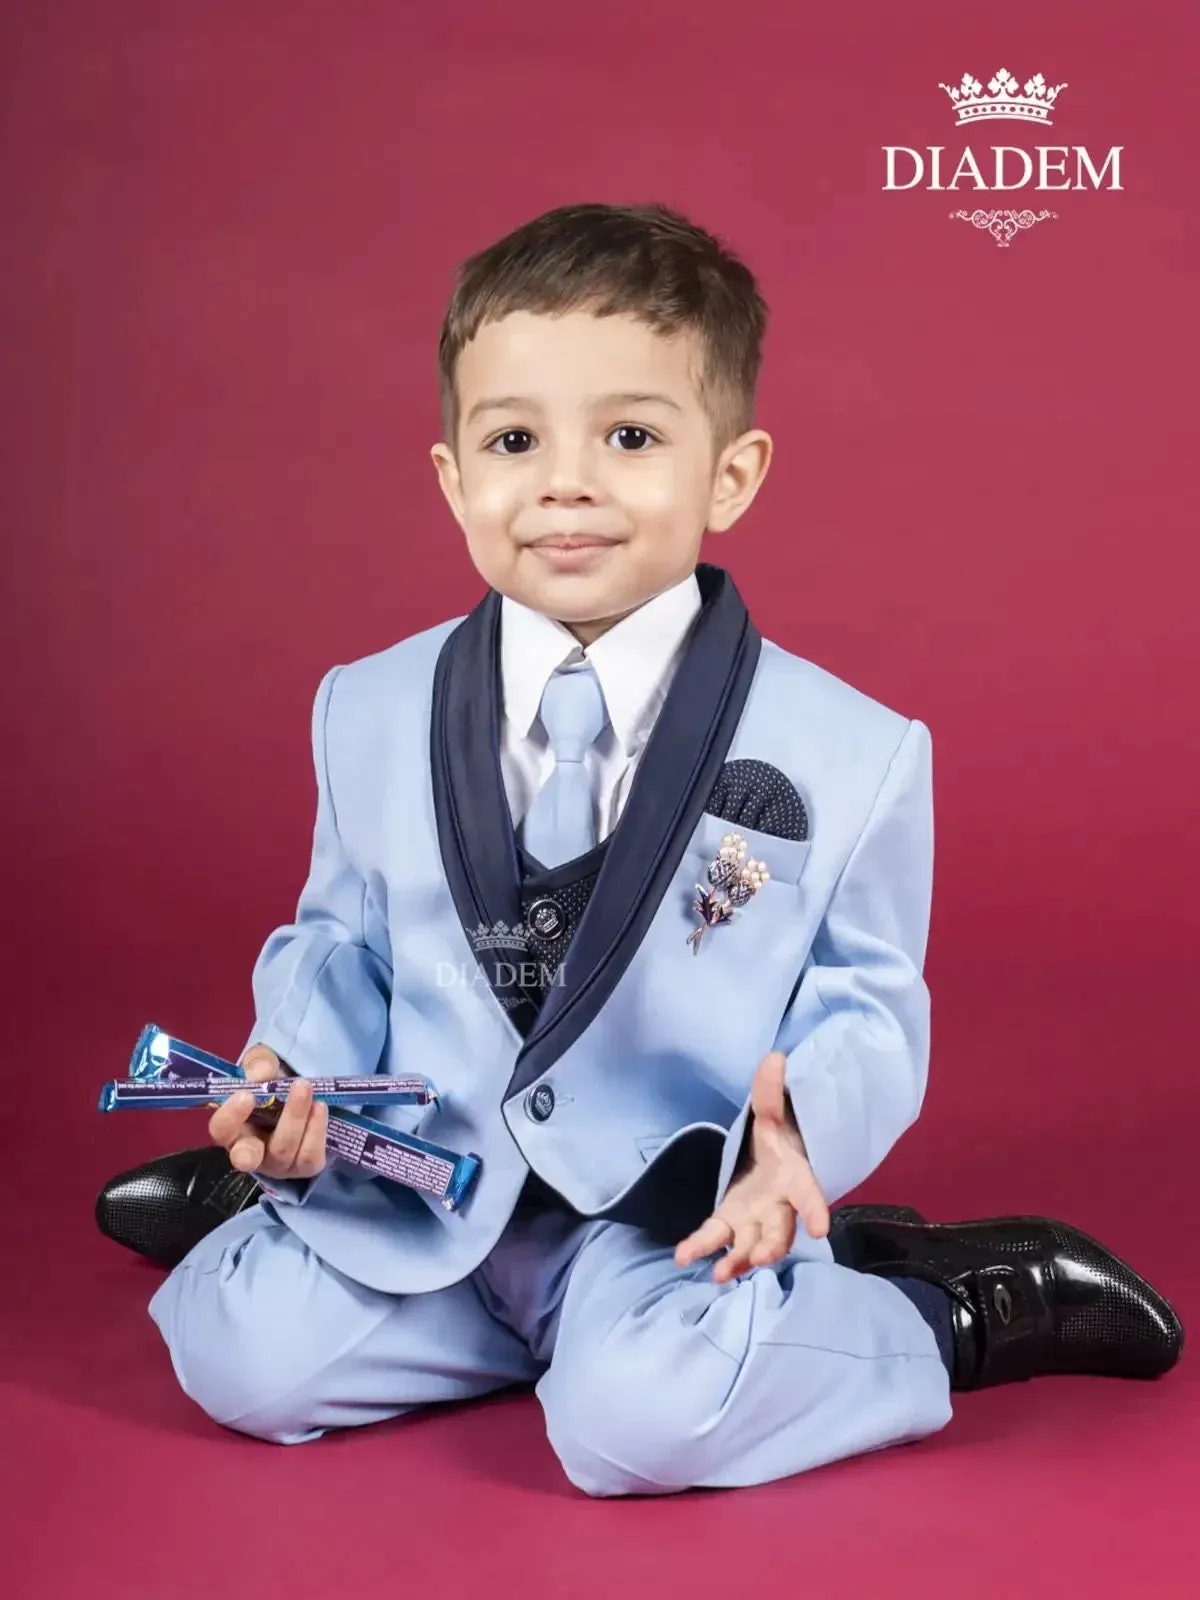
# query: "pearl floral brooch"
{"type": "Point", "coordinates": [735, 881]}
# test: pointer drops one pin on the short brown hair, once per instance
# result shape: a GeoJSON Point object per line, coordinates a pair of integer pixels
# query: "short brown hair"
{"type": "Point", "coordinates": [647, 261]}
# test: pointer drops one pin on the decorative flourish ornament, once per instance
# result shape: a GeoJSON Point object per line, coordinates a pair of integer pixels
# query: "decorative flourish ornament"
{"type": "Point", "coordinates": [734, 883]}
{"type": "Point", "coordinates": [1003, 225]}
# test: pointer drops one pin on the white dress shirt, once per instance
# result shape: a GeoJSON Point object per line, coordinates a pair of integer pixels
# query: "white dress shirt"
{"type": "Point", "coordinates": [634, 661]}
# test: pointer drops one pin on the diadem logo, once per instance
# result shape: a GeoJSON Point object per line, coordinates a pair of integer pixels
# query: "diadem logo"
{"type": "Point", "coordinates": [1045, 167]}
{"type": "Point", "coordinates": [1033, 104]}
{"type": "Point", "coordinates": [499, 937]}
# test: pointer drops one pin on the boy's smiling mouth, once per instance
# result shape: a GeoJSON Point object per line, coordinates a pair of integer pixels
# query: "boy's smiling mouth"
{"type": "Point", "coordinates": [572, 552]}
{"type": "Point", "coordinates": [573, 541]}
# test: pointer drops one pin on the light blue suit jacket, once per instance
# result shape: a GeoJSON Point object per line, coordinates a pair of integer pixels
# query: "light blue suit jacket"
{"type": "Point", "coordinates": [378, 971]}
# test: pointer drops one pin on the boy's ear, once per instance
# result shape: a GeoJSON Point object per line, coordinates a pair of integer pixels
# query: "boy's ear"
{"type": "Point", "coordinates": [448, 477]}
{"type": "Point", "coordinates": [738, 478]}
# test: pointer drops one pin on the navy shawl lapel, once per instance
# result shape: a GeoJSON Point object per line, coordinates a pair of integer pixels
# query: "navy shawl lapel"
{"type": "Point", "coordinates": [677, 771]}
{"type": "Point", "coordinates": [474, 824]}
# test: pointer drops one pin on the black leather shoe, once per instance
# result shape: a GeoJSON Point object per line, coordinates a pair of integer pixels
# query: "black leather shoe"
{"type": "Point", "coordinates": [164, 1208]}
{"type": "Point", "coordinates": [1028, 1296]}
{"type": "Point", "coordinates": [843, 1218]}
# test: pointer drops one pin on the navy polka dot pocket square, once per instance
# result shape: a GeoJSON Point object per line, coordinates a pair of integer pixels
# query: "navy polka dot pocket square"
{"type": "Point", "coordinates": [754, 794]}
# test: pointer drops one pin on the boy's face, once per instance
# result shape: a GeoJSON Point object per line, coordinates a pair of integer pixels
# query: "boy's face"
{"type": "Point", "coordinates": [584, 476]}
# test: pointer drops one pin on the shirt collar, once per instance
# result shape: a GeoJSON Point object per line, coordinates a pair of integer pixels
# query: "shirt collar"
{"type": "Point", "coordinates": [634, 661]}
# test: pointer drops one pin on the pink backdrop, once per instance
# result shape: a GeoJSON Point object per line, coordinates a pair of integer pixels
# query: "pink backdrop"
{"type": "Point", "coordinates": [230, 231]}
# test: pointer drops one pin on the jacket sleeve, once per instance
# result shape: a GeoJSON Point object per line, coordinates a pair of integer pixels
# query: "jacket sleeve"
{"type": "Point", "coordinates": [857, 1031]}
{"type": "Point", "coordinates": [321, 993]}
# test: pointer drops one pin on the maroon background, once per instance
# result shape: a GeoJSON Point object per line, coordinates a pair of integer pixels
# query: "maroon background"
{"type": "Point", "coordinates": [229, 236]}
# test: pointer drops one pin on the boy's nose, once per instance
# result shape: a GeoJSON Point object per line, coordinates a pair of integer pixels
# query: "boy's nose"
{"type": "Point", "coordinates": [571, 474]}
{"type": "Point", "coordinates": [561, 496]}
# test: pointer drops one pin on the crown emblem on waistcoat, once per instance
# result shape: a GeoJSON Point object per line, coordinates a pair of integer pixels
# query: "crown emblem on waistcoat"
{"type": "Point", "coordinates": [1031, 102]}
{"type": "Point", "coordinates": [499, 936]}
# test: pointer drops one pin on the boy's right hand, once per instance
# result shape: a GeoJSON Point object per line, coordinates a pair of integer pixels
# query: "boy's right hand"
{"type": "Point", "coordinates": [294, 1147]}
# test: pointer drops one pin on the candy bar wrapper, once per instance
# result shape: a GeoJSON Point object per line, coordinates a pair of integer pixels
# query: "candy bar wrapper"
{"type": "Point", "coordinates": [403, 1158]}
{"type": "Point", "coordinates": [359, 1140]}
{"type": "Point", "coordinates": [161, 1055]}
{"type": "Point", "coordinates": [172, 1094]}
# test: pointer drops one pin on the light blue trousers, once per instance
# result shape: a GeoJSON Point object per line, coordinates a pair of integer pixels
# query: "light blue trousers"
{"type": "Point", "coordinates": [652, 1379]}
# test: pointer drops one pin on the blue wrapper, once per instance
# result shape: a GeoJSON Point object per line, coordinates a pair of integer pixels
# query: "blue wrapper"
{"type": "Point", "coordinates": [359, 1140]}
{"type": "Point", "coordinates": [173, 1094]}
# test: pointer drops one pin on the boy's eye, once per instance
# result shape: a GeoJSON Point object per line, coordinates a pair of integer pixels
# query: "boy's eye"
{"type": "Point", "coordinates": [517, 441]}
{"type": "Point", "coordinates": [630, 431]}
{"type": "Point", "coordinates": [518, 438]}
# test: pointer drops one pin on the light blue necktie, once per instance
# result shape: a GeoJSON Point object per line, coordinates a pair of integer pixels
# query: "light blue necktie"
{"type": "Point", "coordinates": [559, 825]}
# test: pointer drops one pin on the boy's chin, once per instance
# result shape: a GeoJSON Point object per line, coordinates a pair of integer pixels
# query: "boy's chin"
{"type": "Point", "coordinates": [577, 603]}
{"type": "Point", "coordinates": [579, 597]}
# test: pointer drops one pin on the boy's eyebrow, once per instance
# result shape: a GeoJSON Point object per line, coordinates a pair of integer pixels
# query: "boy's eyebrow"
{"type": "Point", "coordinates": [513, 402]}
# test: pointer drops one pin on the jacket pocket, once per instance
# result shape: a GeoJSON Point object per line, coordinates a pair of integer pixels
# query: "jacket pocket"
{"type": "Point", "coordinates": [784, 859]}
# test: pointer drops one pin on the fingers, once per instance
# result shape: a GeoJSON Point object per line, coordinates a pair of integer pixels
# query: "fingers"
{"type": "Point", "coordinates": [310, 1158]}
{"type": "Point", "coordinates": [714, 1235]}
{"type": "Point", "coordinates": [283, 1145]}
{"type": "Point", "coordinates": [767, 1090]}
{"type": "Point", "coordinates": [229, 1119]}
{"type": "Point", "coordinates": [260, 1063]}
{"type": "Point", "coordinates": [815, 1217]}
{"type": "Point", "coordinates": [758, 1238]}
{"type": "Point", "coordinates": [762, 1238]}
{"type": "Point", "coordinates": [294, 1147]}
{"type": "Point", "coordinates": [710, 1237]}
{"type": "Point", "coordinates": [763, 1231]}
{"type": "Point", "coordinates": [736, 1259]}
{"type": "Point", "coordinates": [248, 1151]}
{"type": "Point", "coordinates": [805, 1198]}
{"type": "Point", "coordinates": [778, 1231]}
{"type": "Point", "coordinates": [228, 1123]}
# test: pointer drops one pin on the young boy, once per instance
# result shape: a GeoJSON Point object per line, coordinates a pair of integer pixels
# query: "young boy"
{"type": "Point", "coordinates": [514, 811]}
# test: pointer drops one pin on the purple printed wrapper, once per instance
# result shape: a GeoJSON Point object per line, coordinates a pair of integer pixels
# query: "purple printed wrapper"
{"type": "Point", "coordinates": [362, 1148]}
{"type": "Point", "coordinates": [401, 1157]}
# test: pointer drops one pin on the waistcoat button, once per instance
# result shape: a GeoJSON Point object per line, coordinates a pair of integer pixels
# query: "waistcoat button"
{"type": "Point", "coordinates": [546, 918]}
{"type": "Point", "coordinates": [539, 1102]}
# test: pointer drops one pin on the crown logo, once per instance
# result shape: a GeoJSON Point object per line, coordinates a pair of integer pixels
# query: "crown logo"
{"type": "Point", "coordinates": [499, 936]}
{"type": "Point", "coordinates": [1033, 104]}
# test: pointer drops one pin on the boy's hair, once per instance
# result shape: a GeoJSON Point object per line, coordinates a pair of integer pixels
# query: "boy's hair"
{"type": "Point", "coordinates": [647, 261]}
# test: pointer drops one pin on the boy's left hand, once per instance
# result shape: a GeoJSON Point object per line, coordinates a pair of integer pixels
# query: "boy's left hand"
{"type": "Point", "coordinates": [756, 1221]}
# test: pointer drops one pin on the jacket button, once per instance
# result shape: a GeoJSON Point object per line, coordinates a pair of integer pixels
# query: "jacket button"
{"type": "Point", "coordinates": [539, 1102]}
